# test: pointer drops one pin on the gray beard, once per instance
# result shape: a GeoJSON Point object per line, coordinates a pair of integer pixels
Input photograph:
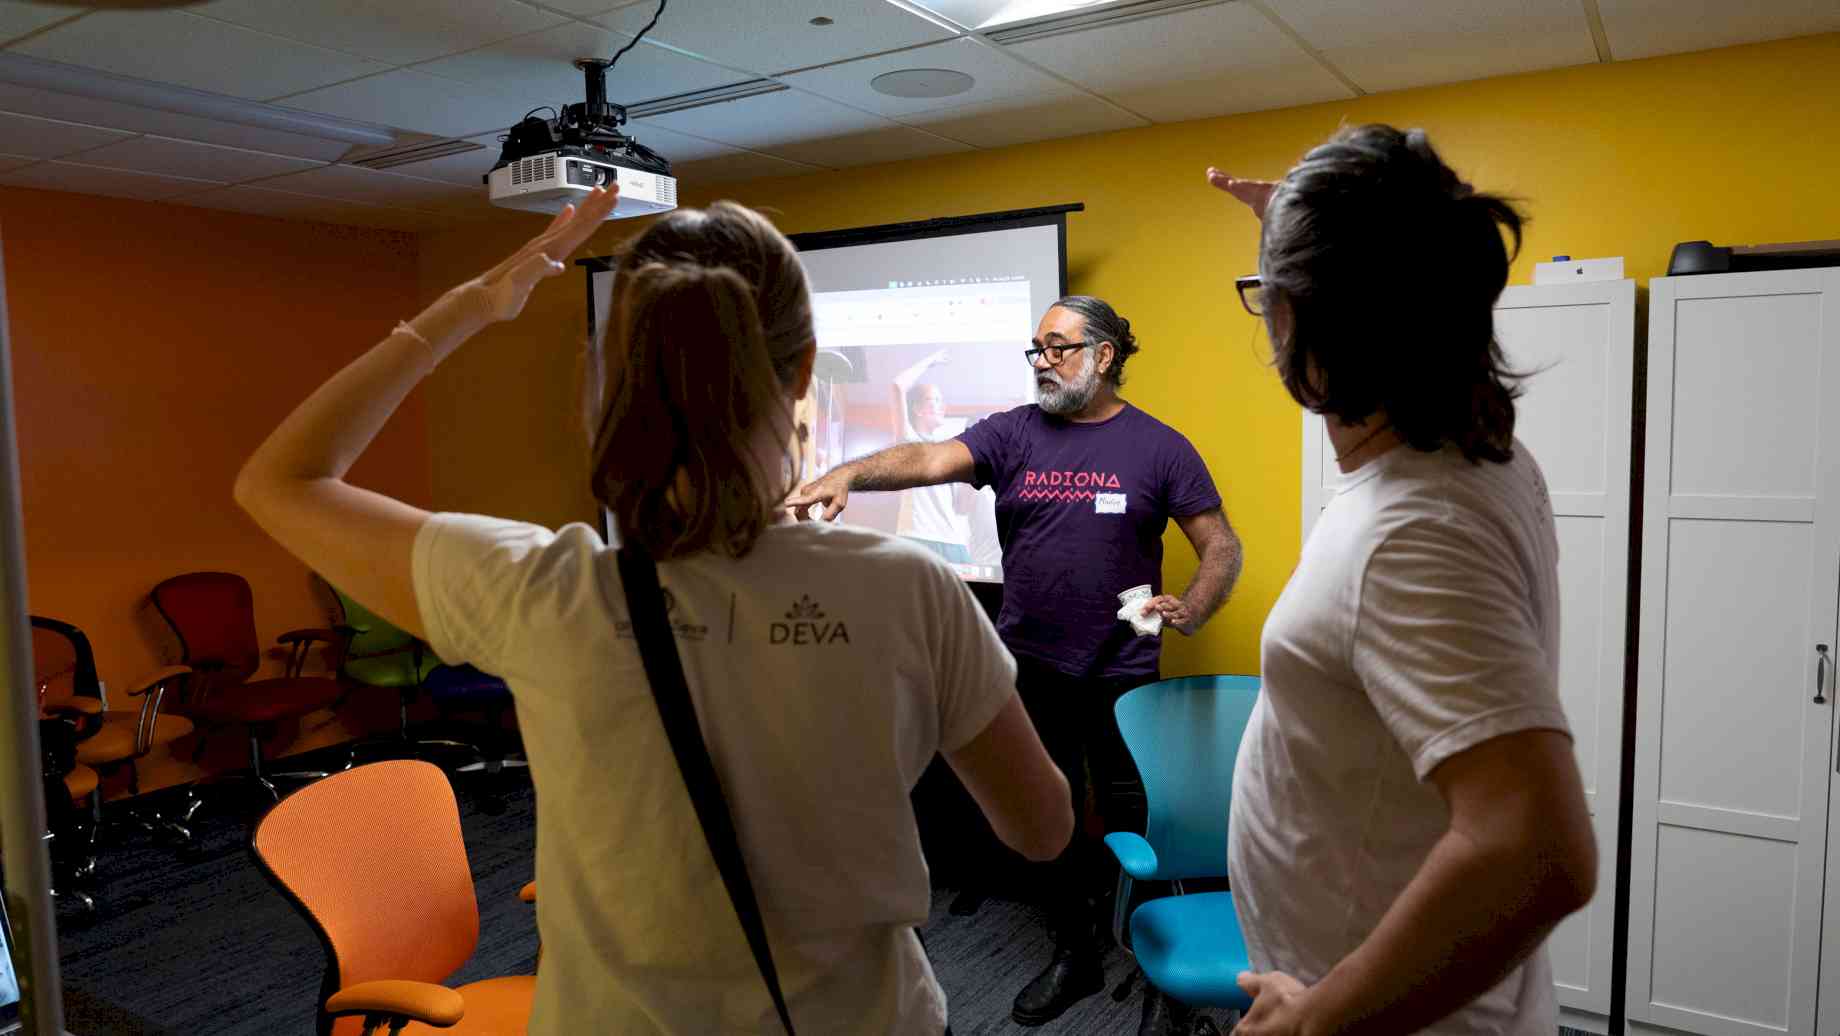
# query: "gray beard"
{"type": "Point", "coordinates": [1065, 398]}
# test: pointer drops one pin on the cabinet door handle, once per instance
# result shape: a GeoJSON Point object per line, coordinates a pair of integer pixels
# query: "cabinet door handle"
{"type": "Point", "coordinates": [1820, 674]}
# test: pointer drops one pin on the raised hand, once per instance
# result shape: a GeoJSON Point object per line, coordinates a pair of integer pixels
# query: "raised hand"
{"type": "Point", "coordinates": [507, 286]}
{"type": "Point", "coordinates": [1255, 193]}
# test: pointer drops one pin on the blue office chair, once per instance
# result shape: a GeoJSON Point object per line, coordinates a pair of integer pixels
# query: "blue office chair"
{"type": "Point", "coordinates": [1184, 735]}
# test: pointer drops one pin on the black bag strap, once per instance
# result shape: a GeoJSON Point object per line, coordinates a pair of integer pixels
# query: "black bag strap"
{"type": "Point", "coordinates": [664, 670]}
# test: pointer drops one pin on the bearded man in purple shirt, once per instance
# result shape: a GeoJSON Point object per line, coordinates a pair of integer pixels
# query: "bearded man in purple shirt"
{"type": "Point", "coordinates": [1086, 484]}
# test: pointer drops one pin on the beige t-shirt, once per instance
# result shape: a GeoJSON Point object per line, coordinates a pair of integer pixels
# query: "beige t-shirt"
{"type": "Point", "coordinates": [827, 667]}
{"type": "Point", "coordinates": [1422, 620]}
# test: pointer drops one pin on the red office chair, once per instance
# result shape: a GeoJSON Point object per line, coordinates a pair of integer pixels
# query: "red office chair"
{"type": "Point", "coordinates": [213, 615]}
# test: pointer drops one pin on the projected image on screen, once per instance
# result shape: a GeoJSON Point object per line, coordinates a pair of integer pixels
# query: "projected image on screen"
{"type": "Point", "coordinates": [919, 337]}
{"type": "Point", "coordinates": [919, 364]}
{"type": "Point", "coordinates": [920, 334]}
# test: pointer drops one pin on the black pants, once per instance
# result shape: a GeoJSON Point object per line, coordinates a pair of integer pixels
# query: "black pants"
{"type": "Point", "coordinates": [1074, 717]}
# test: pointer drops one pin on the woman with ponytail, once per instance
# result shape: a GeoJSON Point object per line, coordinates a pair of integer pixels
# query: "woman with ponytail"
{"type": "Point", "coordinates": [1408, 822]}
{"type": "Point", "coordinates": [827, 665]}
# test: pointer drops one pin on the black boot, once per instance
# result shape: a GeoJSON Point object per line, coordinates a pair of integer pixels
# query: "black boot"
{"type": "Point", "coordinates": [1076, 973]}
{"type": "Point", "coordinates": [1164, 1016]}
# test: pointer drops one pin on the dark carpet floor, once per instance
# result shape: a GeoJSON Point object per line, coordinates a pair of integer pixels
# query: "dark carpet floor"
{"type": "Point", "coordinates": [198, 943]}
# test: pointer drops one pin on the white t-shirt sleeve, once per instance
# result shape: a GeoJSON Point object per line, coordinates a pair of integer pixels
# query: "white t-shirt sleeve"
{"type": "Point", "coordinates": [974, 673]}
{"type": "Point", "coordinates": [1447, 642]}
{"type": "Point", "coordinates": [498, 594]}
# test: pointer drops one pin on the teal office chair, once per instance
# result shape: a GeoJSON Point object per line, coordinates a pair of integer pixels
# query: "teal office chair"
{"type": "Point", "coordinates": [1184, 735]}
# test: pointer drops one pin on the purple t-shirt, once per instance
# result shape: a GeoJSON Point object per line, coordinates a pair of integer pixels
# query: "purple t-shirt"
{"type": "Point", "coordinates": [1081, 510]}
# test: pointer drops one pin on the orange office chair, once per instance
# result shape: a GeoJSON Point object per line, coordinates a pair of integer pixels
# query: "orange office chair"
{"type": "Point", "coordinates": [395, 923]}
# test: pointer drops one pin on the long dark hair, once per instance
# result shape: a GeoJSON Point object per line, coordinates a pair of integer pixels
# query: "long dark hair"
{"type": "Point", "coordinates": [1389, 266]}
{"type": "Point", "coordinates": [711, 320]}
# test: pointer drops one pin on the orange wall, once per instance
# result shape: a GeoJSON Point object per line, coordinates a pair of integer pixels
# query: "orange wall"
{"type": "Point", "coordinates": [153, 347]}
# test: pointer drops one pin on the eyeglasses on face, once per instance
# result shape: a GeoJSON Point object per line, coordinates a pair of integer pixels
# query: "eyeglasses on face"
{"type": "Point", "coordinates": [1055, 352]}
{"type": "Point", "coordinates": [1251, 293]}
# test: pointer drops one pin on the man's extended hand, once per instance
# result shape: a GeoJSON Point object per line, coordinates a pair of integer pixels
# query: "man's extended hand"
{"type": "Point", "coordinates": [1277, 1005]}
{"type": "Point", "coordinates": [833, 491]}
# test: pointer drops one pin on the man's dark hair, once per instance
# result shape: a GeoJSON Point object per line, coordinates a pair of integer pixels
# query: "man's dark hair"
{"type": "Point", "coordinates": [1103, 324]}
{"type": "Point", "coordinates": [1390, 266]}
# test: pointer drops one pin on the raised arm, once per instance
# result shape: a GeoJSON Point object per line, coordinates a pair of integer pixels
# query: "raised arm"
{"type": "Point", "coordinates": [294, 484]}
{"type": "Point", "coordinates": [904, 382]}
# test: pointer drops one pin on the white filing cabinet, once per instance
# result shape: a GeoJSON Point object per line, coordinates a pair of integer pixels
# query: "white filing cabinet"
{"type": "Point", "coordinates": [1740, 580]}
{"type": "Point", "coordinates": [1578, 340]}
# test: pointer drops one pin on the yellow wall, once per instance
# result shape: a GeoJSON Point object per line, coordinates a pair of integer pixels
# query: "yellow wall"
{"type": "Point", "coordinates": [1734, 146]}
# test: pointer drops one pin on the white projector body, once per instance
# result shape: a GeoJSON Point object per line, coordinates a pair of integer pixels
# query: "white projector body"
{"type": "Point", "coordinates": [547, 182]}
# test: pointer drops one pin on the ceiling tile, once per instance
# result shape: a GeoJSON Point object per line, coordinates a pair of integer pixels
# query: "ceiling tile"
{"type": "Point", "coordinates": [766, 119]}
{"type": "Point", "coordinates": [771, 36]}
{"type": "Point", "coordinates": [869, 147]}
{"type": "Point", "coordinates": [71, 108]}
{"type": "Point", "coordinates": [676, 147]}
{"type": "Point", "coordinates": [415, 100]}
{"type": "Point", "coordinates": [169, 157]}
{"type": "Point", "coordinates": [88, 179]}
{"type": "Point", "coordinates": [463, 169]}
{"type": "Point", "coordinates": [1397, 44]}
{"type": "Point", "coordinates": [259, 201]}
{"type": "Point", "coordinates": [374, 187]}
{"type": "Point", "coordinates": [202, 53]}
{"type": "Point", "coordinates": [590, 8]}
{"type": "Point", "coordinates": [1646, 28]}
{"type": "Point", "coordinates": [17, 19]}
{"type": "Point", "coordinates": [736, 165]}
{"type": "Point", "coordinates": [1189, 65]}
{"type": "Point", "coordinates": [996, 76]}
{"type": "Point", "coordinates": [50, 138]}
{"type": "Point", "coordinates": [537, 69]}
{"type": "Point", "coordinates": [1006, 123]}
{"type": "Point", "coordinates": [400, 32]}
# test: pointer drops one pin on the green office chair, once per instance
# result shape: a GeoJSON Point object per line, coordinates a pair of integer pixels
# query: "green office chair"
{"type": "Point", "coordinates": [379, 654]}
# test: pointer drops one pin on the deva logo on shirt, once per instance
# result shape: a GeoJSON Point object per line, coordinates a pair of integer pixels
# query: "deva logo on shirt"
{"type": "Point", "coordinates": [807, 625]}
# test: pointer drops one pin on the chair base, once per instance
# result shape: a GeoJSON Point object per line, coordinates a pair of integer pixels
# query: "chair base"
{"type": "Point", "coordinates": [406, 748]}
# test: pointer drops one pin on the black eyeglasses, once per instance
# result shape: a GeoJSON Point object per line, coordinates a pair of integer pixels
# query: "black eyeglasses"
{"type": "Point", "coordinates": [1251, 294]}
{"type": "Point", "coordinates": [1054, 353]}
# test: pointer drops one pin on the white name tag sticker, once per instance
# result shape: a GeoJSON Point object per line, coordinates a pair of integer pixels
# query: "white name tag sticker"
{"type": "Point", "coordinates": [1108, 503]}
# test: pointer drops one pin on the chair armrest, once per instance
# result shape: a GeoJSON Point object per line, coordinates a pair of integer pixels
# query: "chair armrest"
{"type": "Point", "coordinates": [528, 893]}
{"type": "Point", "coordinates": [1134, 854]}
{"type": "Point", "coordinates": [156, 678]}
{"type": "Point", "coordinates": [424, 1002]}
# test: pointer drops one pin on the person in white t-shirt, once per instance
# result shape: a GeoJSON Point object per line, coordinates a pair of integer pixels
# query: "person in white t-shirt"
{"type": "Point", "coordinates": [1408, 823]}
{"type": "Point", "coordinates": [930, 515]}
{"type": "Point", "coordinates": [827, 664]}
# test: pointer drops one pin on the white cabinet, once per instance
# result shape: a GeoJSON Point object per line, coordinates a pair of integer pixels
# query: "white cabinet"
{"type": "Point", "coordinates": [1740, 580]}
{"type": "Point", "coordinates": [1578, 343]}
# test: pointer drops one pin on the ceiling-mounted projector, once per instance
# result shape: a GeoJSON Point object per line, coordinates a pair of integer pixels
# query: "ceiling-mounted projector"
{"type": "Point", "coordinates": [548, 163]}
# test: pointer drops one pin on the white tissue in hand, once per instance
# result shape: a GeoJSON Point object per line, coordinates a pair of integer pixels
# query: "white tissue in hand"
{"type": "Point", "coordinates": [1132, 611]}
